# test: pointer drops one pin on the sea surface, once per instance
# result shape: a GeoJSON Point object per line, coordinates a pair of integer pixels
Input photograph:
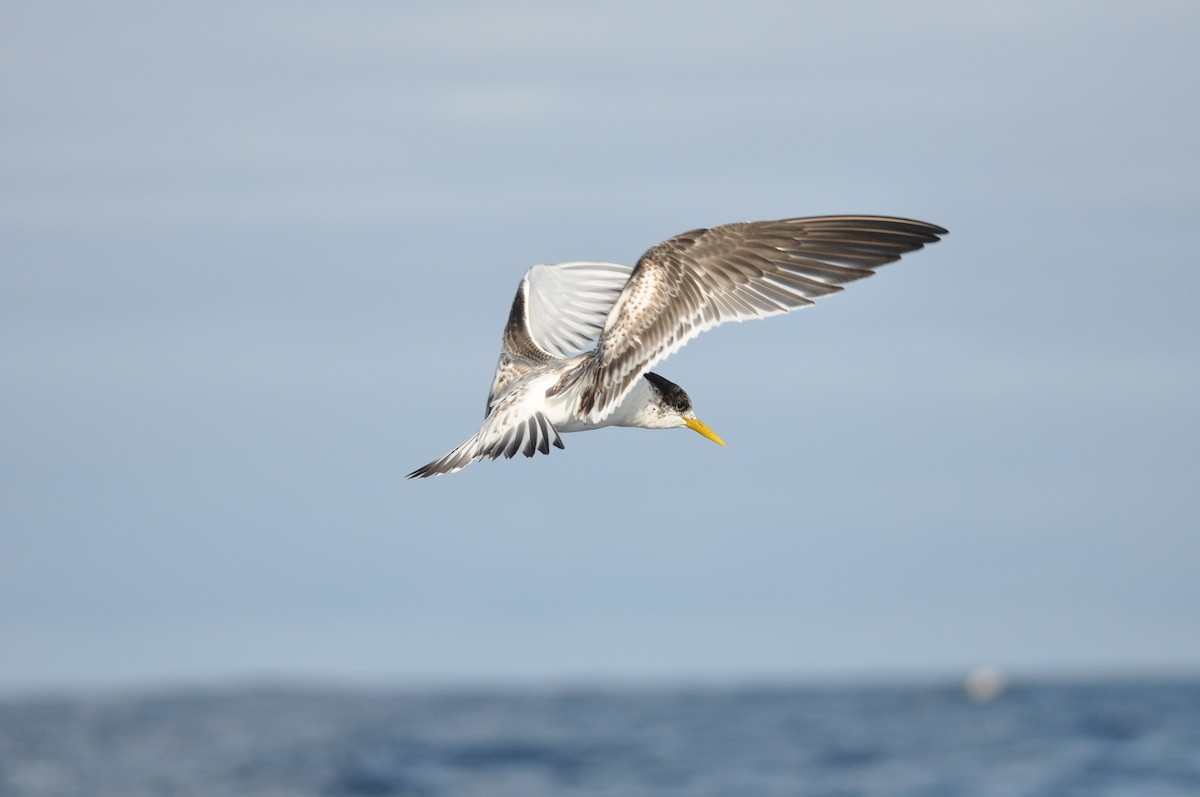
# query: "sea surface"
{"type": "Point", "coordinates": [1140, 739]}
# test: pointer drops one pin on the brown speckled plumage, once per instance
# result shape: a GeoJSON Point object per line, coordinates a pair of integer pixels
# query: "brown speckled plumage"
{"type": "Point", "coordinates": [679, 288]}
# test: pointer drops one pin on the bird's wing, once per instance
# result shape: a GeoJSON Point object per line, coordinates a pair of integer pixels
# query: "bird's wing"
{"type": "Point", "coordinates": [557, 313]}
{"type": "Point", "coordinates": [703, 278]}
{"type": "Point", "coordinates": [513, 425]}
{"type": "Point", "coordinates": [565, 305]}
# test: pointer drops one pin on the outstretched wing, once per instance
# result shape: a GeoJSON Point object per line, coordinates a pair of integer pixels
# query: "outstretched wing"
{"type": "Point", "coordinates": [558, 312]}
{"type": "Point", "coordinates": [703, 278]}
{"type": "Point", "coordinates": [566, 305]}
{"type": "Point", "coordinates": [512, 427]}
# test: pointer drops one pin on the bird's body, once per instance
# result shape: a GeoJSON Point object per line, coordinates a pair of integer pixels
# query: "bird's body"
{"type": "Point", "coordinates": [547, 382]}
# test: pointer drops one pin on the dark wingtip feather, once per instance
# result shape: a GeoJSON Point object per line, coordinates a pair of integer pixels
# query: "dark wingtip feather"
{"type": "Point", "coordinates": [422, 472]}
{"type": "Point", "coordinates": [535, 435]}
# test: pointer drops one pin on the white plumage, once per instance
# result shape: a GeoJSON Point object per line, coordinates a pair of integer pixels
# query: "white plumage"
{"type": "Point", "coordinates": [548, 382]}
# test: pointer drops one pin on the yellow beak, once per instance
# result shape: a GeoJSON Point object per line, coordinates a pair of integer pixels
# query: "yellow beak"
{"type": "Point", "coordinates": [697, 425]}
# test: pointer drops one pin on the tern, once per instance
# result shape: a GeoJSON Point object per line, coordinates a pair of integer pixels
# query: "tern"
{"type": "Point", "coordinates": [549, 382]}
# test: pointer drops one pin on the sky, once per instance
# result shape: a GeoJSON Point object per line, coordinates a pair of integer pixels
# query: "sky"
{"type": "Point", "coordinates": [255, 260]}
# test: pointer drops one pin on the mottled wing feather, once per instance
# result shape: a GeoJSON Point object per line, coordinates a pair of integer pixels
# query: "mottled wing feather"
{"type": "Point", "coordinates": [704, 278]}
{"type": "Point", "coordinates": [558, 312]}
{"type": "Point", "coordinates": [508, 430]}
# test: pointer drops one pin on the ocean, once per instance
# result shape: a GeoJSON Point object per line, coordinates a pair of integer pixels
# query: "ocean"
{"type": "Point", "coordinates": [1038, 739]}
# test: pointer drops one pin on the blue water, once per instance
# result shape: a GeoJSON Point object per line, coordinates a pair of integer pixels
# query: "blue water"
{"type": "Point", "coordinates": [1052, 740]}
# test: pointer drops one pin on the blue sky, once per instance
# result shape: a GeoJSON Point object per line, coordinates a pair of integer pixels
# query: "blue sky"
{"type": "Point", "coordinates": [256, 259]}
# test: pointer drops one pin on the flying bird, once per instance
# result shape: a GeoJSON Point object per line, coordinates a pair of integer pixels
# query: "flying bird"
{"type": "Point", "coordinates": [549, 382]}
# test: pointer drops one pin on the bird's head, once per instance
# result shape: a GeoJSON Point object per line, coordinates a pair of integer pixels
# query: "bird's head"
{"type": "Point", "coordinates": [671, 407]}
